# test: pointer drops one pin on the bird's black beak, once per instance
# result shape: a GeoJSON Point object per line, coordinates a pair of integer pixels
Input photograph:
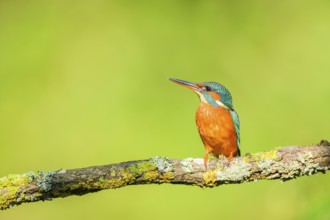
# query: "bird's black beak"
{"type": "Point", "coordinates": [189, 85]}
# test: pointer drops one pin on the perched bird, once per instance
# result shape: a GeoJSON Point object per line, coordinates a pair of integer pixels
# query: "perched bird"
{"type": "Point", "coordinates": [217, 121]}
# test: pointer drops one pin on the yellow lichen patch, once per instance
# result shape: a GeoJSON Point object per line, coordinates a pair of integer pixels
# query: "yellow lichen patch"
{"type": "Point", "coordinates": [151, 175]}
{"type": "Point", "coordinates": [268, 155]}
{"type": "Point", "coordinates": [103, 183]}
{"type": "Point", "coordinates": [168, 176]}
{"type": "Point", "coordinates": [246, 159]}
{"type": "Point", "coordinates": [272, 155]}
{"type": "Point", "coordinates": [210, 177]}
{"type": "Point", "coordinates": [9, 188]}
{"type": "Point", "coordinates": [115, 183]}
{"type": "Point", "coordinates": [127, 176]}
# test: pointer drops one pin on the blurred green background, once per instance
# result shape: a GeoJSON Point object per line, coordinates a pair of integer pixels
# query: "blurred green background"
{"type": "Point", "coordinates": [85, 83]}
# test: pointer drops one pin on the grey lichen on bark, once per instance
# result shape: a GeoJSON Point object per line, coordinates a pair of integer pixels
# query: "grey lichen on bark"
{"type": "Point", "coordinates": [280, 163]}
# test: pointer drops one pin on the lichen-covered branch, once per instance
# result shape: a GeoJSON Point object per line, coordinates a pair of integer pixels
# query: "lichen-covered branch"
{"type": "Point", "coordinates": [281, 163]}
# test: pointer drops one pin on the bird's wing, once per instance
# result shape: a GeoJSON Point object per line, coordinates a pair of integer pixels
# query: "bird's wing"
{"type": "Point", "coordinates": [234, 115]}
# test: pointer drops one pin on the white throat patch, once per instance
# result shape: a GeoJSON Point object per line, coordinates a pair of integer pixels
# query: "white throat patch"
{"type": "Point", "coordinates": [201, 97]}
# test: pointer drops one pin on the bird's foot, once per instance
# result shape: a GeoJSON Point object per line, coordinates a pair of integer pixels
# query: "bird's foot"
{"type": "Point", "coordinates": [205, 160]}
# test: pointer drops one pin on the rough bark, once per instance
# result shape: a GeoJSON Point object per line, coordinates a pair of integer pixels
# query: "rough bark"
{"type": "Point", "coordinates": [280, 163]}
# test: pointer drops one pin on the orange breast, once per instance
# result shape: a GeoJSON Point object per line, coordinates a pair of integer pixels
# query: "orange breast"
{"type": "Point", "coordinates": [216, 129]}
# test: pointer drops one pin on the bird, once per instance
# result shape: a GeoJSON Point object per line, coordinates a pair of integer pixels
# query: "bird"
{"type": "Point", "coordinates": [217, 122]}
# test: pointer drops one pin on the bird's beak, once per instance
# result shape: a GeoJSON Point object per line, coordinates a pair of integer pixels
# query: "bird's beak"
{"type": "Point", "coordinates": [189, 85]}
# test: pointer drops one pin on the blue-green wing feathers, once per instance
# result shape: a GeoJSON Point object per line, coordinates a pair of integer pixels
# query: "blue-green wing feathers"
{"type": "Point", "coordinates": [235, 118]}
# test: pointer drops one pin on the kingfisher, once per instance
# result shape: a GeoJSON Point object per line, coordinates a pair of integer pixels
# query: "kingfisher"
{"type": "Point", "coordinates": [217, 121]}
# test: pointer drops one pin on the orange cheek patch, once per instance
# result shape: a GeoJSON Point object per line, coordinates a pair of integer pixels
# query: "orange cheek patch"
{"type": "Point", "coordinates": [215, 96]}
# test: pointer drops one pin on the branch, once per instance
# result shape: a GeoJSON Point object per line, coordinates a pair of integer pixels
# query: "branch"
{"type": "Point", "coordinates": [284, 164]}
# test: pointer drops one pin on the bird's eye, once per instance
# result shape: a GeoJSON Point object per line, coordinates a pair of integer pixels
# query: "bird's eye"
{"type": "Point", "coordinates": [207, 88]}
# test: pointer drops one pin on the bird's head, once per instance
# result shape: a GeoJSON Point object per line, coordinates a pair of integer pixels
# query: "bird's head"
{"type": "Point", "coordinates": [209, 92]}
